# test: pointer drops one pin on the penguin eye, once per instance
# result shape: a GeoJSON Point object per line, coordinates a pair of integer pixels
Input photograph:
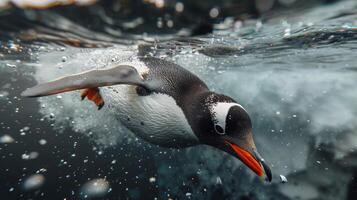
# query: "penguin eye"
{"type": "Point", "coordinates": [219, 129]}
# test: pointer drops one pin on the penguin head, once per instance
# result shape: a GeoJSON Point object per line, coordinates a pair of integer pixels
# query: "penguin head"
{"type": "Point", "coordinates": [226, 125]}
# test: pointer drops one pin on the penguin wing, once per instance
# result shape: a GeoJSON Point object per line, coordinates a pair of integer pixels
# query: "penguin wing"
{"type": "Point", "coordinates": [122, 74]}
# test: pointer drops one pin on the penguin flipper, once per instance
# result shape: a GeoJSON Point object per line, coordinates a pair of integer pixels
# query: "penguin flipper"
{"type": "Point", "coordinates": [122, 74]}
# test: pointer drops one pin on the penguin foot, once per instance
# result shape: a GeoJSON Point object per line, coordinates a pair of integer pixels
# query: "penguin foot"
{"type": "Point", "coordinates": [93, 94]}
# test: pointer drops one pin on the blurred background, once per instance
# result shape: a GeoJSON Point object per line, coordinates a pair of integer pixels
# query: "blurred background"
{"type": "Point", "coordinates": [291, 63]}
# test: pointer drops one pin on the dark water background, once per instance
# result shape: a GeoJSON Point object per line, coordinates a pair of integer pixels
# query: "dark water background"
{"type": "Point", "coordinates": [292, 66]}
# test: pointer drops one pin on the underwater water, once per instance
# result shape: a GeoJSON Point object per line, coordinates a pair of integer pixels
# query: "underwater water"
{"type": "Point", "coordinates": [295, 73]}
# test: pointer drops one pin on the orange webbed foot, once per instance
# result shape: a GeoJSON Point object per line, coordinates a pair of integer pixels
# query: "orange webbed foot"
{"type": "Point", "coordinates": [93, 94]}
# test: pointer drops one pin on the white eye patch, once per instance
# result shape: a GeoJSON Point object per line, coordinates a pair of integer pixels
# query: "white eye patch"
{"type": "Point", "coordinates": [219, 113]}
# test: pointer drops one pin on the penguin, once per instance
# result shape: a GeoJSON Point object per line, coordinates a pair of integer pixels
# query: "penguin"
{"type": "Point", "coordinates": [167, 105]}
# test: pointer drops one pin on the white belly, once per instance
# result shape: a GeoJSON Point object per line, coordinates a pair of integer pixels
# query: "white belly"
{"type": "Point", "coordinates": [155, 118]}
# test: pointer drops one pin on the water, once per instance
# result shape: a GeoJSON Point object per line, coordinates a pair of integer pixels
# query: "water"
{"type": "Point", "coordinates": [295, 74]}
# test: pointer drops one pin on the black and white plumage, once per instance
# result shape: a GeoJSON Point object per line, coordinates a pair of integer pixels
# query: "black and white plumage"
{"type": "Point", "coordinates": [167, 105]}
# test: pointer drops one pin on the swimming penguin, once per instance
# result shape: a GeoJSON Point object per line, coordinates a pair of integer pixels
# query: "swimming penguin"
{"type": "Point", "coordinates": [167, 105]}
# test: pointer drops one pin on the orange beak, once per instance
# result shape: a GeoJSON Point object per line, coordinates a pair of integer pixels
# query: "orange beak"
{"type": "Point", "coordinates": [253, 160]}
{"type": "Point", "coordinates": [248, 159]}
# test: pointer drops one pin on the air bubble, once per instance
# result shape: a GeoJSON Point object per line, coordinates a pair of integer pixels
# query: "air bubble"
{"type": "Point", "coordinates": [95, 188]}
{"type": "Point", "coordinates": [5, 139]}
{"type": "Point", "coordinates": [64, 59]}
{"type": "Point", "coordinates": [33, 182]}
{"type": "Point", "coordinates": [283, 179]}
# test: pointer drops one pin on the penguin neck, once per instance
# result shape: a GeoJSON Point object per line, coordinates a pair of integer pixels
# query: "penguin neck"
{"type": "Point", "coordinates": [197, 112]}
